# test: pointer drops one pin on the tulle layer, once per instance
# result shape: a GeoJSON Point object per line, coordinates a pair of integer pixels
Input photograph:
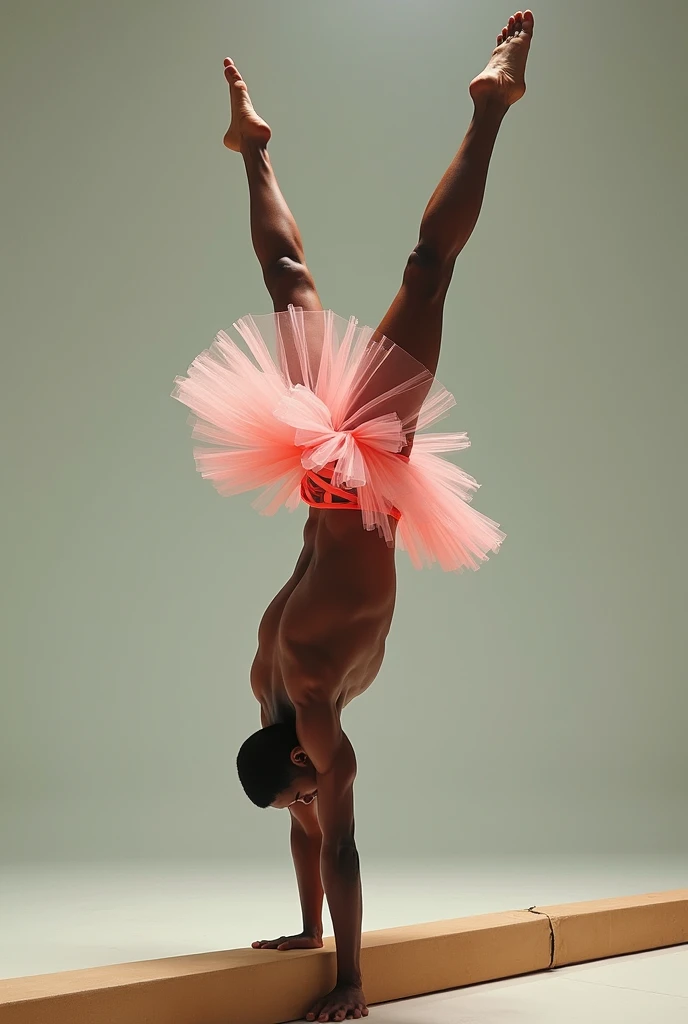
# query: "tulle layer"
{"type": "Point", "coordinates": [316, 392]}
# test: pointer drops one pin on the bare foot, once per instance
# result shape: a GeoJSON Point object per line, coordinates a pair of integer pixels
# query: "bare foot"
{"type": "Point", "coordinates": [504, 77]}
{"type": "Point", "coordinates": [245, 124]}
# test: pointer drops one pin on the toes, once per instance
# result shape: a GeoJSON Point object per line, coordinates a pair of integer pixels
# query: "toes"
{"type": "Point", "coordinates": [518, 22]}
{"type": "Point", "coordinates": [231, 72]}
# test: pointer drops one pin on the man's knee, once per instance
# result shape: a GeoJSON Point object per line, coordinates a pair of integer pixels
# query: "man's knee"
{"type": "Point", "coordinates": [287, 274]}
{"type": "Point", "coordinates": [428, 273]}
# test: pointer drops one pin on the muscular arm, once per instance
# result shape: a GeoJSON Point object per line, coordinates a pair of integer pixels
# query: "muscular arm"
{"type": "Point", "coordinates": [305, 841]}
{"type": "Point", "coordinates": [321, 735]}
{"type": "Point", "coordinates": [306, 844]}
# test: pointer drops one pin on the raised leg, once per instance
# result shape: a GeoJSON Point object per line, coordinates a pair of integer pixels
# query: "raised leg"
{"type": "Point", "coordinates": [414, 320]}
{"type": "Point", "coordinates": [275, 235]}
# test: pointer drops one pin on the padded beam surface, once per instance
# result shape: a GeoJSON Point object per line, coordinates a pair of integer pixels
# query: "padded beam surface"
{"type": "Point", "coordinates": [247, 986]}
{"type": "Point", "coordinates": [603, 928]}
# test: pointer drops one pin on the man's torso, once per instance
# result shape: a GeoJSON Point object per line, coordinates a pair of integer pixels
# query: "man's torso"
{"type": "Point", "coordinates": [330, 621]}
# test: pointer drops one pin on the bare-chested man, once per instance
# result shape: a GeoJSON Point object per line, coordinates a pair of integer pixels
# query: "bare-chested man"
{"type": "Point", "coordinates": [322, 639]}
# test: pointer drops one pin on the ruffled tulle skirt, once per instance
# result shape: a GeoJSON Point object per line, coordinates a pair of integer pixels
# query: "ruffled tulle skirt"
{"type": "Point", "coordinates": [316, 400]}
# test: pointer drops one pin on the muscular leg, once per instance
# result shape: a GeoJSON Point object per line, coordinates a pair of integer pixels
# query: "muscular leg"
{"type": "Point", "coordinates": [275, 235]}
{"type": "Point", "coordinates": [414, 320]}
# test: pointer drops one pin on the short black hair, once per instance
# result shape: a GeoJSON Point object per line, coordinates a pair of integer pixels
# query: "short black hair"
{"type": "Point", "coordinates": [264, 762]}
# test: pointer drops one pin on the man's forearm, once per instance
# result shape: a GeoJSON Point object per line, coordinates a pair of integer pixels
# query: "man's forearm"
{"type": "Point", "coordinates": [342, 880]}
{"type": "Point", "coordinates": [305, 851]}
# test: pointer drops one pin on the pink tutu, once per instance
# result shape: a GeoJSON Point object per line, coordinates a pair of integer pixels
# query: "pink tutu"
{"type": "Point", "coordinates": [320, 396]}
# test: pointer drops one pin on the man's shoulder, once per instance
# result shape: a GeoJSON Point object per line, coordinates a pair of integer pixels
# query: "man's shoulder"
{"type": "Point", "coordinates": [261, 676]}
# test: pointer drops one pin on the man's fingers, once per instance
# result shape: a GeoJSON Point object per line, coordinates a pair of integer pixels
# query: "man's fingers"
{"type": "Point", "coordinates": [286, 942]}
{"type": "Point", "coordinates": [270, 943]}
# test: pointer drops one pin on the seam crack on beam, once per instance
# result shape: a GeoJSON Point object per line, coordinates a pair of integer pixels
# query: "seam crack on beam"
{"type": "Point", "coordinates": [541, 913]}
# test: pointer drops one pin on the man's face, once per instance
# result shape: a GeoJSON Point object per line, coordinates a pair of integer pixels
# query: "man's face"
{"type": "Point", "coordinates": [303, 789]}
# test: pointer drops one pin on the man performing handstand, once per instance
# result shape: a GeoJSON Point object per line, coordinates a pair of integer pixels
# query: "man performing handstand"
{"type": "Point", "coordinates": [327, 413]}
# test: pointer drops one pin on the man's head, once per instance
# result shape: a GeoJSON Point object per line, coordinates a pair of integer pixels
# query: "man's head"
{"type": "Point", "coordinates": [274, 769]}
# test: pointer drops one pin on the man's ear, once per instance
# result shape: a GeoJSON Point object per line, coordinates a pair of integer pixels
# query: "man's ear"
{"type": "Point", "coordinates": [299, 757]}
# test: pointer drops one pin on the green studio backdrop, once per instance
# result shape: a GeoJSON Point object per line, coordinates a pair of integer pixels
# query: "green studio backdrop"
{"type": "Point", "coordinates": [538, 705]}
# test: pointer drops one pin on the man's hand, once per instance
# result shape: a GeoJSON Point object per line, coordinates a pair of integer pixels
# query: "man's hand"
{"type": "Point", "coordinates": [345, 1002]}
{"type": "Point", "coordinates": [302, 941]}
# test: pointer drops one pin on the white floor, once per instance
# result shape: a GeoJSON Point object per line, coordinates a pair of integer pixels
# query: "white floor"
{"type": "Point", "coordinates": [62, 918]}
{"type": "Point", "coordinates": [650, 988]}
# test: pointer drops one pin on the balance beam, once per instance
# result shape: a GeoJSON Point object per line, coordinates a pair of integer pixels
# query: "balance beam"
{"type": "Point", "coordinates": [247, 986]}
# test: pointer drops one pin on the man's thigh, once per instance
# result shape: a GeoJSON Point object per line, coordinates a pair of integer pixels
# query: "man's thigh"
{"type": "Point", "coordinates": [414, 322]}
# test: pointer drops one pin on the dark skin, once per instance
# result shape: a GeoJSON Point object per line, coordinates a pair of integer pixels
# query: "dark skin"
{"type": "Point", "coordinates": [322, 639]}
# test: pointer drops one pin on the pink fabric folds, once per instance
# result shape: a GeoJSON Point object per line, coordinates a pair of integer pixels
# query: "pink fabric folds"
{"type": "Point", "coordinates": [320, 392]}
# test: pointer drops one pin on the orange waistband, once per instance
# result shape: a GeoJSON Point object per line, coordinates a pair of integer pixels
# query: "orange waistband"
{"type": "Point", "coordinates": [318, 490]}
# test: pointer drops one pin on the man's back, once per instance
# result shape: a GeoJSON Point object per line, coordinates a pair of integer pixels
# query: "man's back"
{"type": "Point", "coordinates": [331, 619]}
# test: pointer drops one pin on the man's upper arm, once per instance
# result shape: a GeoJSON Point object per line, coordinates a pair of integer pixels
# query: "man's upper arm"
{"type": "Point", "coordinates": [321, 736]}
{"type": "Point", "coordinates": [336, 809]}
{"type": "Point", "coordinates": [319, 730]}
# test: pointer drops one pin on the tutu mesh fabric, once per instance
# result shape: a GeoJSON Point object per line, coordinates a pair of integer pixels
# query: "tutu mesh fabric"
{"type": "Point", "coordinates": [316, 407]}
